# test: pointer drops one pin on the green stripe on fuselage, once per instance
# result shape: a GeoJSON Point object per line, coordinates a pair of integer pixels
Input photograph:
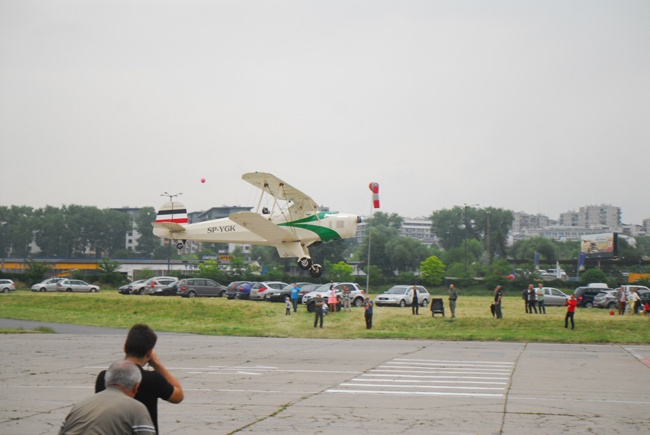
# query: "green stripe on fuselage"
{"type": "Point", "coordinates": [325, 234]}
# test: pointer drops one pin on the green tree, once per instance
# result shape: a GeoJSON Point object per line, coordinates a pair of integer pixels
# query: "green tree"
{"type": "Point", "coordinates": [211, 269]}
{"type": "Point", "coordinates": [405, 253]}
{"type": "Point", "coordinates": [340, 271]}
{"type": "Point", "coordinates": [108, 272]}
{"type": "Point", "coordinates": [432, 270]}
{"type": "Point", "coordinates": [147, 241]}
{"type": "Point", "coordinates": [593, 275]}
{"type": "Point", "coordinates": [54, 236]}
{"type": "Point", "coordinates": [525, 249]}
{"type": "Point", "coordinates": [36, 271]}
{"type": "Point", "coordinates": [381, 228]}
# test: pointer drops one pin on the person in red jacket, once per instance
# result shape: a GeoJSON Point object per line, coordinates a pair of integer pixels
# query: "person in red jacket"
{"type": "Point", "coordinates": [571, 304]}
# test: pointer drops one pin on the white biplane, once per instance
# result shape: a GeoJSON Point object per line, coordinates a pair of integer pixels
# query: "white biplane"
{"type": "Point", "coordinates": [291, 225]}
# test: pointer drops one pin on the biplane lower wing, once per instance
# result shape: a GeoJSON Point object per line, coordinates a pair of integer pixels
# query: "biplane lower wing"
{"type": "Point", "coordinates": [257, 224]}
{"type": "Point", "coordinates": [287, 244]}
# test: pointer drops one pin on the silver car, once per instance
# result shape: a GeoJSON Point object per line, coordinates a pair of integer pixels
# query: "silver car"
{"type": "Point", "coordinates": [402, 295]}
{"type": "Point", "coordinates": [260, 290]}
{"type": "Point", "coordinates": [606, 299]}
{"type": "Point", "coordinates": [76, 285]}
{"type": "Point", "coordinates": [554, 297]}
{"type": "Point", "coordinates": [49, 285]}
{"type": "Point", "coordinates": [7, 285]}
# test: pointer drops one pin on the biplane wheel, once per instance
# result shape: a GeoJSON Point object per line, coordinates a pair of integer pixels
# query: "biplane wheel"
{"type": "Point", "coordinates": [316, 270]}
{"type": "Point", "coordinates": [180, 245]}
{"type": "Point", "coordinates": [304, 263]}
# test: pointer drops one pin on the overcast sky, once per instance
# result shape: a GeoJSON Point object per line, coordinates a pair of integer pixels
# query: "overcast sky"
{"type": "Point", "coordinates": [533, 106]}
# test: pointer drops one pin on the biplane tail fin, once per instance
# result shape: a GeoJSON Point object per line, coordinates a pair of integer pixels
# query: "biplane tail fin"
{"type": "Point", "coordinates": [171, 216]}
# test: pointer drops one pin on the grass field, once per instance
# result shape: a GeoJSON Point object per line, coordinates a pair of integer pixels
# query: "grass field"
{"type": "Point", "coordinates": [263, 319]}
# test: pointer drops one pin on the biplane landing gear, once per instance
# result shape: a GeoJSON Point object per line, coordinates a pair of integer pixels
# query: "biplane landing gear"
{"type": "Point", "coordinates": [304, 263]}
{"type": "Point", "coordinates": [180, 244]}
{"type": "Point", "coordinates": [316, 270]}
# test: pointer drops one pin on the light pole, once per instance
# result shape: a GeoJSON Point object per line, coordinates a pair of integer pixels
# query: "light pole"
{"type": "Point", "coordinates": [466, 207]}
{"type": "Point", "coordinates": [169, 241]}
{"type": "Point", "coordinates": [489, 252]}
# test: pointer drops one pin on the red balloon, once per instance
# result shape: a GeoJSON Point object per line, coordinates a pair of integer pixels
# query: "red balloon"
{"type": "Point", "coordinates": [202, 180]}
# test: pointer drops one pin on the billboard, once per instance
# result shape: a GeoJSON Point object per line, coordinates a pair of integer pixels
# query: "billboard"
{"type": "Point", "coordinates": [599, 245]}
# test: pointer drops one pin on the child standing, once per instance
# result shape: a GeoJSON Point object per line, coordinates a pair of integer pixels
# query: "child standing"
{"type": "Point", "coordinates": [288, 305]}
{"type": "Point", "coordinates": [570, 311]}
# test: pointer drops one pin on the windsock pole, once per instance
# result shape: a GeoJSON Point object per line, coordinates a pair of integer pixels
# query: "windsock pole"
{"type": "Point", "coordinates": [374, 188]}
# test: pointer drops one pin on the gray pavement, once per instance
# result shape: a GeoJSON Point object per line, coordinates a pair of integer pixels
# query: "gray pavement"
{"type": "Point", "coordinates": [311, 386]}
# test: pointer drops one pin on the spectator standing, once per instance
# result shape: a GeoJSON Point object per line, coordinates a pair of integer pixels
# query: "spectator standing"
{"type": "Point", "coordinates": [498, 294]}
{"type": "Point", "coordinates": [368, 305]}
{"type": "Point", "coordinates": [288, 305]}
{"type": "Point", "coordinates": [529, 297]}
{"type": "Point", "coordinates": [318, 311]}
{"type": "Point", "coordinates": [634, 301]}
{"type": "Point", "coordinates": [539, 297]}
{"type": "Point", "coordinates": [113, 410]}
{"type": "Point", "coordinates": [415, 303]}
{"type": "Point", "coordinates": [346, 298]}
{"type": "Point", "coordinates": [332, 301]}
{"type": "Point", "coordinates": [571, 304]}
{"type": "Point", "coordinates": [295, 293]}
{"type": "Point", "coordinates": [156, 383]}
{"type": "Point", "coordinates": [453, 295]}
{"type": "Point", "coordinates": [622, 300]}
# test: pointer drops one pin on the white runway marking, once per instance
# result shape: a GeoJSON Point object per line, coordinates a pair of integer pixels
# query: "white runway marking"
{"type": "Point", "coordinates": [432, 378]}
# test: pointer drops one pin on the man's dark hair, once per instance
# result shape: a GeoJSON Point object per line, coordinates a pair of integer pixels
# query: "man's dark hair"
{"type": "Point", "coordinates": [140, 340]}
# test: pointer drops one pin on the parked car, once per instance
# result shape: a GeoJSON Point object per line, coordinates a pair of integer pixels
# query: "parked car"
{"type": "Point", "coordinates": [193, 287]}
{"type": "Point", "coordinates": [554, 297]}
{"type": "Point", "coordinates": [127, 288]}
{"type": "Point", "coordinates": [231, 289]}
{"type": "Point", "coordinates": [75, 285]}
{"type": "Point", "coordinates": [307, 288]}
{"type": "Point", "coordinates": [148, 285]}
{"type": "Point", "coordinates": [274, 295]}
{"type": "Point", "coordinates": [49, 285]}
{"type": "Point", "coordinates": [402, 295]}
{"type": "Point", "coordinates": [606, 298]}
{"type": "Point", "coordinates": [585, 295]}
{"type": "Point", "coordinates": [170, 289]}
{"type": "Point", "coordinates": [259, 289]}
{"type": "Point", "coordinates": [244, 290]}
{"type": "Point", "coordinates": [7, 285]}
{"type": "Point", "coordinates": [356, 294]}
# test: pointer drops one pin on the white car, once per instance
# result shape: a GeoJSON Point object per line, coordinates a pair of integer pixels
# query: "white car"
{"type": "Point", "coordinates": [7, 285]}
{"type": "Point", "coordinates": [49, 285]}
{"type": "Point", "coordinates": [402, 295]}
{"type": "Point", "coordinates": [356, 294]}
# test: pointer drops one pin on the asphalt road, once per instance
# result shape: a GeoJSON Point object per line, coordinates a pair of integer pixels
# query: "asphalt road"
{"type": "Point", "coordinates": [311, 386]}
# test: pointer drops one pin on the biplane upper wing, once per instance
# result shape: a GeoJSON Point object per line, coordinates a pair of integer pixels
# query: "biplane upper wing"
{"type": "Point", "coordinates": [257, 224]}
{"type": "Point", "coordinates": [280, 190]}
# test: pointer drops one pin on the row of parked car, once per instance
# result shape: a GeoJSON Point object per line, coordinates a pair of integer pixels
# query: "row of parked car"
{"type": "Point", "coordinates": [64, 285]}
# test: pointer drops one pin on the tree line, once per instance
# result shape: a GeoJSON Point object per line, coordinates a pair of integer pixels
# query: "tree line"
{"type": "Point", "coordinates": [471, 241]}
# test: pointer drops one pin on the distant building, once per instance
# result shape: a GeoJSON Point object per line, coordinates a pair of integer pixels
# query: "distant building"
{"type": "Point", "coordinates": [524, 221]}
{"type": "Point", "coordinates": [593, 216]}
{"type": "Point", "coordinates": [415, 228]}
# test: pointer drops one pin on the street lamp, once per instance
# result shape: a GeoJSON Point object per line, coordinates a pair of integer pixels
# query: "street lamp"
{"type": "Point", "coordinates": [169, 242]}
{"type": "Point", "coordinates": [466, 207]}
